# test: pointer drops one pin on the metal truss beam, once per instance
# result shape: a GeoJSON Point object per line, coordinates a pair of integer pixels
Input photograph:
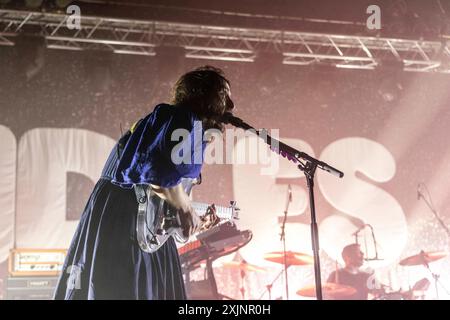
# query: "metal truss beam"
{"type": "Point", "coordinates": [225, 43]}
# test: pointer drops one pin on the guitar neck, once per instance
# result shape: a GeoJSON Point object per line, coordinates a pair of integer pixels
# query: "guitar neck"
{"type": "Point", "coordinates": [222, 212]}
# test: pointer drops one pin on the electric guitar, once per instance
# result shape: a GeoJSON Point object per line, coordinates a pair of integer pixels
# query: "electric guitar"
{"type": "Point", "coordinates": [157, 221]}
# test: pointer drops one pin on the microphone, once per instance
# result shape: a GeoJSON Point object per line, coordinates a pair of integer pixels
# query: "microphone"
{"type": "Point", "coordinates": [290, 193]}
{"type": "Point", "coordinates": [228, 118]}
{"type": "Point", "coordinates": [359, 230]}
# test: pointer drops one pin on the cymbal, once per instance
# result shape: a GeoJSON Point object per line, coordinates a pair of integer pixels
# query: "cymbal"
{"type": "Point", "coordinates": [329, 289]}
{"type": "Point", "coordinates": [292, 258]}
{"type": "Point", "coordinates": [242, 265]}
{"type": "Point", "coordinates": [423, 258]}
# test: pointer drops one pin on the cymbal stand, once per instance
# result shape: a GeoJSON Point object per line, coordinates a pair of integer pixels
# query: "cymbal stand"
{"type": "Point", "coordinates": [269, 286]}
{"type": "Point", "coordinates": [242, 284]}
{"type": "Point", "coordinates": [436, 280]}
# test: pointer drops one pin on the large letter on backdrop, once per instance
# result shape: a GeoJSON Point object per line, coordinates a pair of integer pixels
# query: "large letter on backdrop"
{"type": "Point", "coordinates": [44, 157]}
{"type": "Point", "coordinates": [356, 199]}
{"type": "Point", "coordinates": [7, 190]}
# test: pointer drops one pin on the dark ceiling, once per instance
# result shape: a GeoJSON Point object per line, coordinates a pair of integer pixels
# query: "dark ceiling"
{"type": "Point", "coordinates": [427, 19]}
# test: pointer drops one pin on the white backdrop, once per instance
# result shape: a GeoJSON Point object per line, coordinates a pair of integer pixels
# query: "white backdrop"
{"type": "Point", "coordinates": [7, 190]}
{"type": "Point", "coordinates": [44, 157]}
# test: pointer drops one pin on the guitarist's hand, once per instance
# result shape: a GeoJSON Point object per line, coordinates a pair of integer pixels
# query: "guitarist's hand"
{"type": "Point", "coordinates": [190, 222]}
{"type": "Point", "coordinates": [210, 219]}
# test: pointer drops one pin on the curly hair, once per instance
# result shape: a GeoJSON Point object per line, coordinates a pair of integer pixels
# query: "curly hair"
{"type": "Point", "coordinates": [204, 91]}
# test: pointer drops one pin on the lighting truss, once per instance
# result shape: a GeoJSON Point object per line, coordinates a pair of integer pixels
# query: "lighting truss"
{"type": "Point", "coordinates": [224, 43]}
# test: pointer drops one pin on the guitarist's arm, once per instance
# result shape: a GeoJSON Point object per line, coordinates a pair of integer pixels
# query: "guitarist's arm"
{"type": "Point", "coordinates": [179, 199]}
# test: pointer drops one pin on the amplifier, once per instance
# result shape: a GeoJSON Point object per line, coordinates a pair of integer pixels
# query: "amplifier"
{"type": "Point", "coordinates": [36, 262]}
{"type": "Point", "coordinates": [30, 288]}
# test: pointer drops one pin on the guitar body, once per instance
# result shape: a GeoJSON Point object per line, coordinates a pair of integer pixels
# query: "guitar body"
{"type": "Point", "coordinates": [157, 221]}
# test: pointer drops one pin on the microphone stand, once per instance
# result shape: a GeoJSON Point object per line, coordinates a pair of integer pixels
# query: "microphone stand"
{"type": "Point", "coordinates": [431, 207]}
{"type": "Point", "coordinates": [435, 277]}
{"type": "Point", "coordinates": [356, 233]}
{"type": "Point", "coordinates": [375, 243]}
{"type": "Point", "coordinates": [308, 165]}
{"type": "Point", "coordinates": [444, 226]}
{"type": "Point", "coordinates": [283, 239]}
{"type": "Point", "coordinates": [269, 287]}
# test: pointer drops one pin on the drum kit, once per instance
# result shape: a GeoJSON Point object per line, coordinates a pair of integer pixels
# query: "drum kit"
{"type": "Point", "coordinates": [290, 259]}
{"type": "Point", "coordinates": [416, 292]}
{"type": "Point", "coordinates": [337, 291]}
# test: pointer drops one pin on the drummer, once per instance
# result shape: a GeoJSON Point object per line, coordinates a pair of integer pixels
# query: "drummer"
{"type": "Point", "coordinates": [351, 274]}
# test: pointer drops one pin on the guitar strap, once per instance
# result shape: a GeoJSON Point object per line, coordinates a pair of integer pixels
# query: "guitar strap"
{"type": "Point", "coordinates": [141, 196]}
{"type": "Point", "coordinates": [141, 230]}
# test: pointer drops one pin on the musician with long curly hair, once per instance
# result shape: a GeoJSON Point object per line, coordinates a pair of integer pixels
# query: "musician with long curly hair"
{"type": "Point", "coordinates": [104, 260]}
